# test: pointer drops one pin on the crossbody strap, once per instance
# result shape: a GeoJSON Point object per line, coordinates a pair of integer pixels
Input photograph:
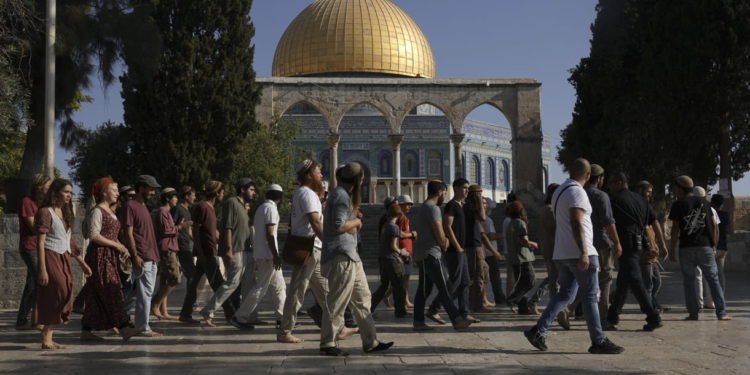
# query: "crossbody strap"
{"type": "Point", "coordinates": [554, 210]}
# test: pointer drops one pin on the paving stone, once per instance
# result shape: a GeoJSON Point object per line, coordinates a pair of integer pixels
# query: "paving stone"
{"type": "Point", "coordinates": [496, 345]}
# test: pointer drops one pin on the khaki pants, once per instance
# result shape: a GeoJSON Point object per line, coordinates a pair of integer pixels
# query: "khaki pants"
{"type": "Point", "coordinates": [607, 264]}
{"type": "Point", "coordinates": [347, 285]}
{"type": "Point", "coordinates": [477, 272]}
{"type": "Point", "coordinates": [302, 276]}
{"type": "Point", "coordinates": [266, 279]}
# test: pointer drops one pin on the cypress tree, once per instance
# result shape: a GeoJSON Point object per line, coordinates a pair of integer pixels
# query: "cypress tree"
{"type": "Point", "coordinates": [189, 113]}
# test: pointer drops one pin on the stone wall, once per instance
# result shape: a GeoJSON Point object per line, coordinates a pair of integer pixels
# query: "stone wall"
{"type": "Point", "coordinates": [742, 213]}
{"type": "Point", "coordinates": [12, 267]}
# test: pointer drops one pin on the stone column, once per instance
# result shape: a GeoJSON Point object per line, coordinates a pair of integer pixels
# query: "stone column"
{"type": "Point", "coordinates": [396, 140]}
{"type": "Point", "coordinates": [457, 139]}
{"type": "Point", "coordinates": [373, 189]}
{"type": "Point", "coordinates": [411, 190]}
{"type": "Point", "coordinates": [333, 143]}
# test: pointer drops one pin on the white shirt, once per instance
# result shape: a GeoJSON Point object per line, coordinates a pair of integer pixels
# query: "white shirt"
{"type": "Point", "coordinates": [571, 195]}
{"type": "Point", "coordinates": [489, 227]}
{"type": "Point", "coordinates": [305, 201]}
{"type": "Point", "coordinates": [717, 221]}
{"type": "Point", "coordinates": [267, 214]}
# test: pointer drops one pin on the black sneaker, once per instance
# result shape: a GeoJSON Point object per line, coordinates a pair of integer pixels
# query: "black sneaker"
{"type": "Point", "coordinates": [652, 326]}
{"type": "Point", "coordinates": [380, 347]}
{"type": "Point", "coordinates": [692, 317]}
{"type": "Point", "coordinates": [243, 326]}
{"type": "Point", "coordinates": [333, 352]}
{"type": "Point", "coordinates": [536, 339]}
{"type": "Point", "coordinates": [606, 347]}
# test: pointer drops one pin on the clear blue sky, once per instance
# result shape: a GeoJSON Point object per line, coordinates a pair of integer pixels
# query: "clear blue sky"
{"type": "Point", "coordinates": [540, 39]}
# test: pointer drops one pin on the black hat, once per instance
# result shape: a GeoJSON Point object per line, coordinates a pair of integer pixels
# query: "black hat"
{"type": "Point", "coordinates": [147, 180]}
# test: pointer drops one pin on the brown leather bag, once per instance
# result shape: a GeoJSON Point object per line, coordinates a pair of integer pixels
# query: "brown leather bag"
{"type": "Point", "coordinates": [297, 250]}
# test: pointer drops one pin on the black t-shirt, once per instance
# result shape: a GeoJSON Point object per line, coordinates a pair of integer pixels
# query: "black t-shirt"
{"type": "Point", "coordinates": [473, 235]}
{"type": "Point", "coordinates": [693, 215]}
{"type": "Point", "coordinates": [454, 209]}
{"type": "Point", "coordinates": [631, 212]}
{"type": "Point", "coordinates": [179, 215]}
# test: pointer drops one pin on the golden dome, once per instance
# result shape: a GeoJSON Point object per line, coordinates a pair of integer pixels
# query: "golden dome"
{"type": "Point", "coordinates": [353, 36]}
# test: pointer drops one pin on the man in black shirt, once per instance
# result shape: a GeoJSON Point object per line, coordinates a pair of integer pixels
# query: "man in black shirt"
{"type": "Point", "coordinates": [693, 223]}
{"type": "Point", "coordinates": [454, 225]}
{"type": "Point", "coordinates": [632, 213]}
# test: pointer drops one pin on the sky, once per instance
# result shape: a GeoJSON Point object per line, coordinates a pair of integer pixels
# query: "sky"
{"type": "Point", "coordinates": [539, 39]}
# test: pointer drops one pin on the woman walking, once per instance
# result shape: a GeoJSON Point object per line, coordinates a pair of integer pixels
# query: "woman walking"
{"type": "Point", "coordinates": [55, 246]}
{"type": "Point", "coordinates": [105, 303]}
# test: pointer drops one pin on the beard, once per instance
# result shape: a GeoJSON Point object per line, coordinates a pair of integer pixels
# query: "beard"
{"type": "Point", "coordinates": [317, 186]}
{"type": "Point", "coordinates": [440, 200]}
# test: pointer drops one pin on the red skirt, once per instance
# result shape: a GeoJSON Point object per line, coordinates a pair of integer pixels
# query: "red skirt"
{"type": "Point", "coordinates": [105, 304]}
{"type": "Point", "coordinates": [54, 301]}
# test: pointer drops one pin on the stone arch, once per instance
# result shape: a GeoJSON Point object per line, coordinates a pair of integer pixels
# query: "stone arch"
{"type": "Point", "coordinates": [395, 126]}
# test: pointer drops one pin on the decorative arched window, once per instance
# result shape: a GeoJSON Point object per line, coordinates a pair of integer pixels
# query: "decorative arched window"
{"type": "Point", "coordinates": [385, 163]}
{"type": "Point", "coordinates": [434, 164]}
{"type": "Point", "coordinates": [504, 175]}
{"type": "Point", "coordinates": [410, 164]}
{"type": "Point", "coordinates": [489, 175]}
{"type": "Point", "coordinates": [474, 172]}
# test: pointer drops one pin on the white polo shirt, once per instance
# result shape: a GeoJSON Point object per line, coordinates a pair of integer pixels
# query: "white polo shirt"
{"type": "Point", "coordinates": [571, 195]}
{"type": "Point", "coordinates": [267, 214]}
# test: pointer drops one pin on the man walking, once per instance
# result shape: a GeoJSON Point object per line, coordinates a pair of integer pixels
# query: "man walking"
{"type": "Point", "coordinates": [606, 241]}
{"type": "Point", "coordinates": [577, 261]}
{"type": "Point", "coordinates": [141, 242]}
{"type": "Point", "coordinates": [693, 223]}
{"type": "Point", "coordinates": [181, 215]}
{"type": "Point", "coordinates": [454, 226]}
{"type": "Point", "coordinates": [205, 248]}
{"type": "Point", "coordinates": [632, 213]}
{"type": "Point", "coordinates": [307, 221]}
{"type": "Point", "coordinates": [428, 255]}
{"type": "Point", "coordinates": [235, 232]}
{"type": "Point", "coordinates": [347, 281]}
{"type": "Point", "coordinates": [267, 266]}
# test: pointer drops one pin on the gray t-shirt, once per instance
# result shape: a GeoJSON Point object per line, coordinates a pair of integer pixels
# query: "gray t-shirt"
{"type": "Point", "coordinates": [338, 211]}
{"type": "Point", "coordinates": [427, 243]}
{"type": "Point", "coordinates": [234, 216]}
{"type": "Point", "coordinates": [387, 234]}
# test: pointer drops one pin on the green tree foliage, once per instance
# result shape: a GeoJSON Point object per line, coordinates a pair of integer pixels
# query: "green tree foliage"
{"type": "Point", "coordinates": [267, 155]}
{"type": "Point", "coordinates": [189, 116]}
{"type": "Point", "coordinates": [105, 151]}
{"type": "Point", "coordinates": [662, 79]}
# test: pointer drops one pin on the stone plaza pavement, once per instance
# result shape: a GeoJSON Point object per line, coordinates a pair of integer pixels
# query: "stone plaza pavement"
{"type": "Point", "coordinates": [496, 345]}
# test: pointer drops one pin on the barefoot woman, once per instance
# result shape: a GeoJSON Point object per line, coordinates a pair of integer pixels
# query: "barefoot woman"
{"type": "Point", "coordinates": [54, 297]}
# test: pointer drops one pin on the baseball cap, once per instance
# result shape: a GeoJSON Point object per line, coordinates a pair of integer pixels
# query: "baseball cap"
{"type": "Point", "coordinates": [684, 182]}
{"type": "Point", "coordinates": [596, 170]}
{"type": "Point", "coordinates": [148, 180]}
{"type": "Point", "coordinates": [388, 201]}
{"type": "Point", "coordinates": [351, 170]}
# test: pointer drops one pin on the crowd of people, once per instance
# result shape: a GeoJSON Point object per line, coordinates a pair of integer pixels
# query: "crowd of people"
{"type": "Point", "coordinates": [456, 251]}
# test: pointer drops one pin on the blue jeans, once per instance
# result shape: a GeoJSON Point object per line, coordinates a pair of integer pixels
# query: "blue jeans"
{"type": "Point", "coordinates": [703, 257]}
{"type": "Point", "coordinates": [570, 278]}
{"type": "Point", "coordinates": [144, 290]}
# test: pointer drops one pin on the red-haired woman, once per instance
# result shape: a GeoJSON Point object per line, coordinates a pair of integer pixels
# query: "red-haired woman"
{"type": "Point", "coordinates": [105, 304]}
{"type": "Point", "coordinates": [55, 246]}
